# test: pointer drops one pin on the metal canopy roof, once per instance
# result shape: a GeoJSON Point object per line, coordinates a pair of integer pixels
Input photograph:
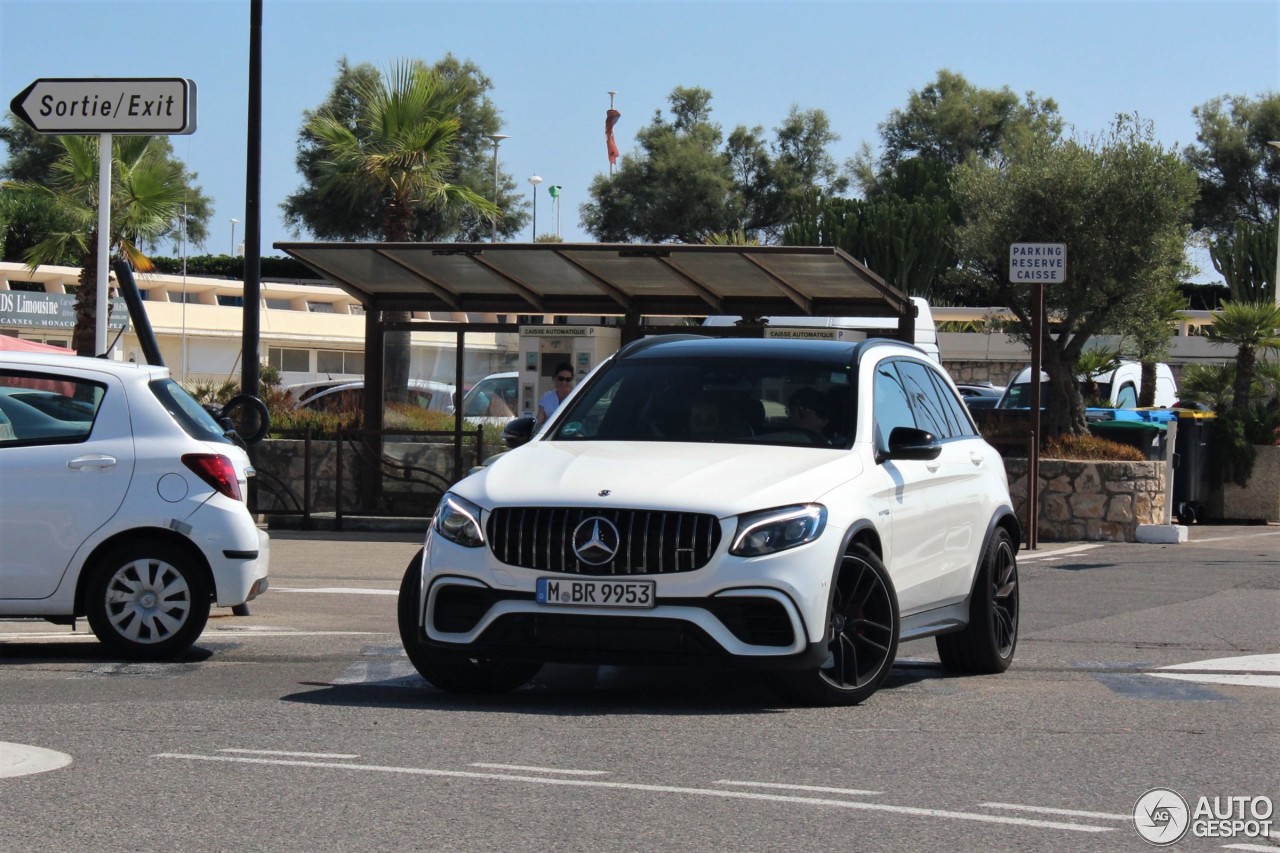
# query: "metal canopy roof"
{"type": "Point", "coordinates": [604, 279]}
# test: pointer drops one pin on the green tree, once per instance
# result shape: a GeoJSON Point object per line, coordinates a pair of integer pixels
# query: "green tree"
{"type": "Point", "coordinates": [148, 192]}
{"type": "Point", "coordinates": [1245, 256]}
{"type": "Point", "coordinates": [687, 180]}
{"type": "Point", "coordinates": [1238, 173]}
{"type": "Point", "coordinates": [906, 242]}
{"type": "Point", "coordinates": [1252, 327]}
{"type": "Point", "coordinates": [949, 121]}
{"type": "Point", "coordinates": [1120, 203]}
{"type": "Point", "coordinates": [398, 157]}
{"type": "Point", "coordinates": [1148, 332]}
{"type": "Point", "coordinates": [343, 213]}
{"type": "Point", "coordinates": [905, 228]}
{"type": "Point", "coordinates": [28, 218]}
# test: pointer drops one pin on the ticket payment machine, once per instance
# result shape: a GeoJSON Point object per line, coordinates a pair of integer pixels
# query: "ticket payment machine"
{"type": "Point", "coordinates": [544, 347]}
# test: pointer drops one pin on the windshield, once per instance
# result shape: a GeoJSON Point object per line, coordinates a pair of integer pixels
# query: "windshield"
{"type": "Point", "coordinates": [705, 400]}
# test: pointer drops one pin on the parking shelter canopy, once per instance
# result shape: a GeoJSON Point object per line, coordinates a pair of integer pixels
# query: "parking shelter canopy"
{"type": "Point", "coordinates": [625, 279]}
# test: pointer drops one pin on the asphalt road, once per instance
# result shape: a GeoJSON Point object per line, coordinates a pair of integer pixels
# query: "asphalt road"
{"type": "Point", "coordinates": [303, 727]}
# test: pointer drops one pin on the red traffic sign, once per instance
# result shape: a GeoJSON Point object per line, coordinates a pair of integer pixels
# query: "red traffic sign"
{"type": "Point", "coordinates": [144, 106]}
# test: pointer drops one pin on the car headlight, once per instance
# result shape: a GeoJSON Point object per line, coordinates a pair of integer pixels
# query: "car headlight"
{"type": "Point", "coordinates": [773, 530]}
{"type": "Point", "coordinates": [458, 520]}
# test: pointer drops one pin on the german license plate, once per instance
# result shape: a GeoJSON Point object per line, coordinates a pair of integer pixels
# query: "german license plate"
{"type": "Point", "coordinates": [583, 592]}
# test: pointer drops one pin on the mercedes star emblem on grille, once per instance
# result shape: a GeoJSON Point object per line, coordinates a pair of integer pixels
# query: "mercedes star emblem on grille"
{"type": "Point", "coordinates": [595, 540]}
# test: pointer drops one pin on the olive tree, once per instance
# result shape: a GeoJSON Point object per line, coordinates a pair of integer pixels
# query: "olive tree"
{"type": "Point", "coordinates": [1120, 202]}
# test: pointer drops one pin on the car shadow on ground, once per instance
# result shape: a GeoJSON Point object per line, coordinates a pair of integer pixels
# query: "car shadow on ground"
{"type": "Point", "coordinates": [88, 652]}
{"type": "Point", "coordinates": [590, 691]}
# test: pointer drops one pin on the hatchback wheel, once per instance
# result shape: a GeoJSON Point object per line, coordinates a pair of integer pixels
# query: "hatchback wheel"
{"type": "Point", "coordinates": [147, 600]}
{"type": "Point", "coordinates": [862, 632]}
{"type": "Point", "coordinates": [987, 643]}
{"type": "Point", "coordinates": [454, 672]}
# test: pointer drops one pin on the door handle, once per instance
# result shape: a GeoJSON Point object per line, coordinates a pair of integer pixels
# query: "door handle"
{"type": "Point", "coordinates": [976, 458]}
{"type": "Point", "coordinates": [933, 466]}
{"type": "Point", "coordinates": [95, 461]}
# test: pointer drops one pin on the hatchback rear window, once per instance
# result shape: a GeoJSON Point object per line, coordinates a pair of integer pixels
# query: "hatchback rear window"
{"type": "Point", "coordinates": [190, 415]}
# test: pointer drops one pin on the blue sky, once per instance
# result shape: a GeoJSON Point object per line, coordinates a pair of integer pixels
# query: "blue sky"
{"type": "Point", "coordinates": [553, 63]}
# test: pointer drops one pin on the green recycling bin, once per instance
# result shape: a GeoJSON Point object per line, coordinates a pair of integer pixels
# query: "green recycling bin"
{"type": "Point", "coordinates": [1148, 437]}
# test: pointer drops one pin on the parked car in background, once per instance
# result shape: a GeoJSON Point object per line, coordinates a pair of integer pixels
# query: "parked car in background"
{"type": "Point", "coordinates": [349, 397]}
{"type": "Point", "coordinates": [492, 400]}
{"type": "Point", "coordinates": [795, 506]}
{"type": "Point", "coordinates": [1117, 388]}
{"type": "Point", "coordinates": [121, 500]}
{"type": "Point", "coordinates": [981, 395]}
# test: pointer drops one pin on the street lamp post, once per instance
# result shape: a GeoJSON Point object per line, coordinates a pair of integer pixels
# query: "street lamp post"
{"type": "Point", "coordinates": [1275, 282]}
{"type": "Point", "coordinates": [497, 138]}
{"type": "Point", "coordinates": [535, 180]}
{"type": "Point", "coordinates": [234, 223]}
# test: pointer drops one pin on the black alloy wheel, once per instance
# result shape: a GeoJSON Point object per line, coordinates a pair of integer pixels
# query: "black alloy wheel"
{"type": "Point", "coordinates": [862, 632]}
{"type": "Point", "coordinates": [987, 643]}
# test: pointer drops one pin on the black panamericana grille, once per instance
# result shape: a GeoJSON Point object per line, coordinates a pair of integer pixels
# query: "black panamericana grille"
{"type": "Point", "coordinates": [649, 542]}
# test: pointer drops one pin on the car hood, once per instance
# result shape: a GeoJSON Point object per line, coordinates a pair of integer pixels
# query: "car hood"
{"type": "Point", "coordinates": [722, 479]}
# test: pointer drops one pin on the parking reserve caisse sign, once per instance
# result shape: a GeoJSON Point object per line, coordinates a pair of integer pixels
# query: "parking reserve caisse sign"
{"type": "Point", "coordinates": [1045, 263]}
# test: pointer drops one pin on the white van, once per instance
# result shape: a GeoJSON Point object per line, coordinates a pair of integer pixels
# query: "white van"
{"type": "Point", "coordinates": [1118, 387]}
{"type": "Point", "coordinates": [926, 332]}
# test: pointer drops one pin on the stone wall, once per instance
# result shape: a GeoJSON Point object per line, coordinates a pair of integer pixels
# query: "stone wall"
{"type": "Point", "coordinates": [977, 372]}
{"type": "Point", "coordinates": [1258, 501]}
{"type": "Point", "coordinates": [1092, 501]}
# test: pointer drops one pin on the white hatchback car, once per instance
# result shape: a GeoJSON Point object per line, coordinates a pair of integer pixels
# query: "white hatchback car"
{"type": "Point", "coordinates": [122, 500]}
{"type": "Point", "coordinates": [797, 506]}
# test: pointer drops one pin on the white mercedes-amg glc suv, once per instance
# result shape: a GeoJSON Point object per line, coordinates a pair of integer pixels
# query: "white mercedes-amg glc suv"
{"type": "Point", "coordinates": [793, 506]}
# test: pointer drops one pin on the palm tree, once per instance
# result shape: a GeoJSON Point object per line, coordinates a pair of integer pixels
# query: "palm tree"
{"type": "Point", "coordinates": [1251, 326]}
{"type": "Point", "coordinates": [399, 152]}
{"type": "Point", "coordinates": [147, 194]}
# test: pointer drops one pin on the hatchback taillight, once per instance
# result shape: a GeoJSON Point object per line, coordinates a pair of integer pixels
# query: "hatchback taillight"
{"type": "Point", "coordinates": [216, 470]}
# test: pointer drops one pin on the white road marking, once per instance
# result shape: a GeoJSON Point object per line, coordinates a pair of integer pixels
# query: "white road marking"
{"type": "Point", "coordinates": [293, 754]}
{"type": "Point", "coordinates": [1242, 671]}
{"type": "Point", "coordinates": [1062, 812]}
{"type": "Point", "coordinates": [1023, 556]}
{"type": "Point", "coordinates": [18, 759]}
{"type": "Point", "coordinates": [539, 769]}
{"type": "Point", "coordinates": [661, 789]}
{"type": "Point", "coordinates": [336, 590]}
{"type": "Point", "coordinates": [784, 787]}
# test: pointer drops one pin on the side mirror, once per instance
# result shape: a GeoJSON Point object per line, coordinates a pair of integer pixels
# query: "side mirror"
{"type": "Point", "coordinates": [518, 431]}
{"type": "Point", "coordinates": [911, 443]}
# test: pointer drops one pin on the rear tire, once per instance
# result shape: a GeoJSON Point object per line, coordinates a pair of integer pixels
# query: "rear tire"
{"type": "Point", "coordinates": [987, 643]}
{"type": "Point", "coordinates": [147, 600]}
{"type": "Point", "coordinates": [453, 672]}
{"type": "Point", "coordinates": [862, 635]}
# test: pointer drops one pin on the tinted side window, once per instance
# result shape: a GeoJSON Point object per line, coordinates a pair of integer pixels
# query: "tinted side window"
{"type": "Point", "coordinates": [931, 411]}
{"type": "Point", "coordinates": [959, 411]}
{"type": "Point", "coordinates": [1128, 397]}
{"type": "Point", "coordinates": [46, 408]}
{"type": "Point", "coordinates": [890, 406]}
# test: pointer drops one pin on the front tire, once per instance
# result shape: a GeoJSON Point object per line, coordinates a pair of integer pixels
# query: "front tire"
{"type": "Point", "coordinates": [987, 643]}
{"type": "Point", "coordinates": [453, 672]}
{"type": "Point", "coordinates": [862, 635]}
{"type": "Point", "coordinates": [147, 600]}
